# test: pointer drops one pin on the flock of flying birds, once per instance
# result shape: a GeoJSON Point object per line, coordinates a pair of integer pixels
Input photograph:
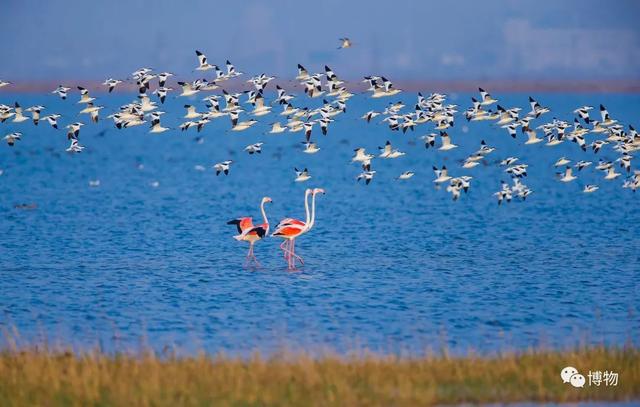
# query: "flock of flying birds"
{"type": "Point", "coordinates": [294, 117]}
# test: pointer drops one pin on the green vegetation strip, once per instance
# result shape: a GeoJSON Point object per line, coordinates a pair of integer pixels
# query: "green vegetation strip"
{"type": "Point", "coordinates": [54, 378]}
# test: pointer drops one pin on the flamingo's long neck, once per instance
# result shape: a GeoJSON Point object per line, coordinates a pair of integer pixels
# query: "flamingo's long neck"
{"type": "Point", "coordinates": [306, 207]}
{"type": "Point", "coordinates": [264, 215]}
{"type": "Point", "coordinates": [313, 212]}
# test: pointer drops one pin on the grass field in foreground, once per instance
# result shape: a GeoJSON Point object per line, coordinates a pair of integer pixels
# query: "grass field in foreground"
{"type": "Point", "coordinates": [41, 377]}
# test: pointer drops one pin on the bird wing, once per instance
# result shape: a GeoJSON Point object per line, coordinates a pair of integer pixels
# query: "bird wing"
{"type": "Point", "coordinates": [242, 223]}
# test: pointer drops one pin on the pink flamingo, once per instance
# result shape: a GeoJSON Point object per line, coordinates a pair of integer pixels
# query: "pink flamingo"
{"type": "Point", "coordinates": [294, 223]}
{"type": "Point", "coordinates": [289, 229]}
{"type": "Point", "coordinates": [248, 232]}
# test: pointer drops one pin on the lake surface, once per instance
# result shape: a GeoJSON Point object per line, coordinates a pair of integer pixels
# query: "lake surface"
{"type": "Point", "coordinates": [393, 266]}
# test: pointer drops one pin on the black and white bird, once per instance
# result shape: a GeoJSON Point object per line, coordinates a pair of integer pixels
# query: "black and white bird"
{"type": "Point", "coordinates": [303, 74]}
{"type": "Point", "coordinates": [191, 112]}
{"type": "Point", "coordinates": [18, 116]}
{"type": "Point", "coordinates": [74, 147]}
{"type": "Point", "coordinates": [362, 157]}
{"type": "Point", "coordinates": [406, 175]}
{"type": "Point", "coordinates": [203, 64]}
{"type": "Point", "coordinates": [485, 98]}
{"type": "Point", "coordinates": [472, 161]}
{"type": "Point", "coordinates": [532, 137]}
{"type": "Point", "coordinates": [536, 109]}
{"type": "Point", "coordinates": [429, 140]}
{"type": "Point", "coordinates": [237, 125]}
{"type": "Point", "coordinates": [484, 149]}
{"type": "Point", "coordinates": [442, 175]}
{"type": "Point", "coordinates": [446, 142]}
{"type": "Point", "coordinates": [457, 185]}
{"type": "Point", "coordinates": [283, 98]}
{"type": "Point", "coordinates": [84, 95]}
{"type": "Point", "coordinates": [625, 162]}
{"type": "Point", "coordinates": [162, 92]}
{"type": "Point", "coordinates": [52, 119]}
{"type": "Point", "coordinates": [111, 84]}
{"type": "Point", "coordinates": [231, 70]}
{"type": "Point", "coordinates": [223, 166]}
{"type": "Point", "coordinates": [367, 176]}
{"type": "Point", "coordinates": [598, 144]}
{"type": "Point", "coordinates": [156, 126]}
{"type": "Point", "coordinates": [384, 90]}
{"type": "Point", "coordinates": [74, 130]}
{"type": "Point", "coordinates": [611, 173]}
{"type": "Point", "coordinates": [583, 113]}
{"type": "Point", "coordinates": [509, 161]}
{"type": "Point", "coordinates": [310, 147]}
{"type": "Point", "coordinates": [188, 89]}
{"type": "Point", "coordinates": [12, 138]}
{"type": "Point", "coordinates": [517, 171]}
{"type": "Point", "coordinates": [582, 164]}
{"type": "Point", "coordinates": [162, 78]}
{"type": "Point", "coordinates": [511, 129]}
{"type": "Point", "coordinates": [370, 115]}
{"type": "Point", "coordinates": [389, 152]}
{"type": "Point", "coordinates": [61, 91]}
{"type": "Point", "coordinates": [606, 119]}
{"type": "Point", "coordinates": [324, 125]}
{"type": "Point", "coordinates": [345, 43]}
{"type": "Point", "coordinates": [505, 193]}
{"type": "Point", "coordinates": [276, 128]}
{"type": "Point", "coordinates": [567, 176]}
{"type": "Point", "coordinates": [92, 111]}
{"type": "Point", "coordinates": [255, 148]}
{"type": "Point", "coordinates": [5, 113]}
{"type": "Point", "coordinates": [35, 113]}
{"type": "Point", "coordinates": [259, 107]}
{"type": "Point", "coordinates": [302, 176]}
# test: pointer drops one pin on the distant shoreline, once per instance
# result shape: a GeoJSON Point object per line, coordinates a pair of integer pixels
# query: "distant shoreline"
{"type": "Point", "coordinates": [550, 86]}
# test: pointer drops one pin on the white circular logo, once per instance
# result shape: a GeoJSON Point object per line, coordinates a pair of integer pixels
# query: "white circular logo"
{"type": "Point", "coordinates": [577, 380]}
{"type": "Point", "coordinates": [567, 372]}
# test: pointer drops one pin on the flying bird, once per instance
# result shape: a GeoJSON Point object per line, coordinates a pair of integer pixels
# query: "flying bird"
{"type": "Point", "coordinates": [111, 84]}
{"type": "Point", "coordinates": [223, 166]}
{"type": "Point", "coordinates": [345, 43]}
{"type": "Point", "coordinates": [302, 176]}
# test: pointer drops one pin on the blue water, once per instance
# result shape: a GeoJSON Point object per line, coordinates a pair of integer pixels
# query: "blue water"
{"type": "Point", "coordinates": [392, 266]}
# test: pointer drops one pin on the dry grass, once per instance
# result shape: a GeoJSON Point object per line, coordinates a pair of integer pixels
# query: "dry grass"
{"type": "Point", "coordinates": [51, 378]}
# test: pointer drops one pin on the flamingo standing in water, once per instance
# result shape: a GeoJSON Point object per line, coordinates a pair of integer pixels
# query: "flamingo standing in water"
{"type": "Point", "coordinates": [248, 232]}
{"type": "Point", "coordinates": [289, 229]}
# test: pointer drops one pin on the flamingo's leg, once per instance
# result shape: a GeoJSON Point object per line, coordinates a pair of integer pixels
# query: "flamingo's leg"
{"type": "Point", "coordinates": [255, 259]}
{"type": "Point", "coordinates": [285, 251]}
{"type": "Point", "coordinates": [295, 256]}
{"type": "Point", "coordinates": [290, 249]}
{"type": "Point", "coordinates": [290, 264]}
{"type": "Point", "coordinates": [247, 259]}
{"type": "Point", "coordinates": [284, 248]}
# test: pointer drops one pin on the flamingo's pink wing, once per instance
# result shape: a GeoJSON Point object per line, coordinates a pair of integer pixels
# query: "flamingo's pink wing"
{"type": "Point", "coordinates": [289, 230]}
